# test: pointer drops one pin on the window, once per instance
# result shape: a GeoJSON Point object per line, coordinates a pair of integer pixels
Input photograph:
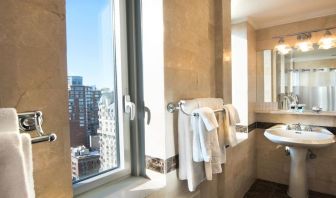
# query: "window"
{"type": "Point", "coordinates": [97, 81]}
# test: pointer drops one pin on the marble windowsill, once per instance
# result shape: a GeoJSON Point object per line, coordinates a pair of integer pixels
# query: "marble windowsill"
{"type": "Point", "coordinates": [322, 113]}
{"type": "Point", "coordinates": [129, 187]}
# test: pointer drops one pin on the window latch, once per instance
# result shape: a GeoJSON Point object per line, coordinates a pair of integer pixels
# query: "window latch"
{"type": "Point", "coordinates": [147, 110]}
{"type": "Point", "coordinates": [129, 107]}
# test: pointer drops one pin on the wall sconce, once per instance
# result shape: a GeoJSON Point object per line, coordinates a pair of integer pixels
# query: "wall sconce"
{"type": "Point", "coordinates": [327, 41]}
{"type": "Point", "coordinates": [304, 44]}
{"type": "Point", "coordinates": [282, 47]}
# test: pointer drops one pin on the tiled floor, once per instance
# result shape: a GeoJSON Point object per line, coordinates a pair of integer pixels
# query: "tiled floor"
{"type": "Point", "coordinates": [266, 189]}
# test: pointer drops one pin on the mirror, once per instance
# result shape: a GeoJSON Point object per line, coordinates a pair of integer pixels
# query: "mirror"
{"type": "Point", "coordinates": [307, 78]}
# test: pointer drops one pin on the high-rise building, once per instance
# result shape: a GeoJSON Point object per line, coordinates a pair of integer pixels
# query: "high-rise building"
{"type": "Point", "coordinates": [83, 162]}
{"type": "Point", "coordinates": [94, 142]}
{"type": "Point", "coordinates": [83, 111]}
{"type": "Point", "coordinates": [107, 131]}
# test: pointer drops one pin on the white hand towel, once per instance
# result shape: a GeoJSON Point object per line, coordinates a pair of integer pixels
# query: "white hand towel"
{"type": "Point", "coordinates": [221, 137]}
{"type": "Point", "coordinates": [231, 118]}
{"type": "Point", "coordinates": [16, 176]}
{"type": "Point", "coordinates": [8, 120]}
{"type": "Point", "coordinates": [189, 170]}
{"type": "Point", "coordinates": [216, 103]}
{"type": "Point", "coordinates": [204, 126]}
{"type": "Point", "coordinates": [205, 142]}
{"type": "Point", "coordinates": [233, 114]}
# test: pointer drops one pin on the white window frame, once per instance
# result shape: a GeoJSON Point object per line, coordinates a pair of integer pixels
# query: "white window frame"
{"type": "Point", "coordinates": [124, 169]}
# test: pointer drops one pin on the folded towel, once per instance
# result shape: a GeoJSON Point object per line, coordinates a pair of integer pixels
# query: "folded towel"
{"type": "Point", "coordinates": [230, 120]}
{"type": "Point", "coordinates": [221, 135]}
{"type": "Point", "coordinates": [233, 114]}
{"type": "Point", "coordinates": [204, 127]}
{"type": "Point", "coordinates": [216, 103]}
{"type": "Point", "coordinates": [8, 120]}
{"type": "Point", "coordinates": [214, 167]}
{"type": "Point", "coordinates": [189, 170]}
{"type": "Point", "coordinates": [205, 142]}
{"type": "Point", "coordinates": [16, 166]}
{"type": "Point", "coordinates": [194, 172]}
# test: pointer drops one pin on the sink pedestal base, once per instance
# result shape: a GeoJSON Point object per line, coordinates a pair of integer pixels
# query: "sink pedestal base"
{"type": "Point", "coordinates": [298, 175]}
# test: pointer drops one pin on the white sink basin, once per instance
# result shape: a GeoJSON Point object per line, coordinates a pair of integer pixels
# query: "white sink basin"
{"type": "Point", "coordinates": [316, 138]}
{"type": "Point", "coordinates": [298, 143]}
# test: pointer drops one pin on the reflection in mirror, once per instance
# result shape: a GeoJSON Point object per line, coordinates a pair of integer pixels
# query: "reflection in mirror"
{"type": "Point", "coordinates": [266, 78]}
{"type": "Point", "coordinates": [298, 80]}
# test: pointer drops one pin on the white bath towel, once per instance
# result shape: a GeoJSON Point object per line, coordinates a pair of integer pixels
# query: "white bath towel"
{"type": "Point", "coordinates": [8, 120]}
{"type": "Point", "coordinates": [189, 170]}
{"type": "Point", "coordinates": [205, 141]}
{"type": "Point", "coordinates": [15, 166]}
{"type": "Point", "coordinates": [28, 159]}
{"type": "Point", "coordinates": [231, 118]}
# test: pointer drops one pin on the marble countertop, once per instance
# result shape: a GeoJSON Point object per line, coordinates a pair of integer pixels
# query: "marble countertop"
{"type": "Point", "coordinates": [322, 113]}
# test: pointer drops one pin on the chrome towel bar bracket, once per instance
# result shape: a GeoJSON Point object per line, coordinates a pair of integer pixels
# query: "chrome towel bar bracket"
{"type": "Point", "coordinates": [32, 121]}
{"type": "Point", "coordinates": [171, 108]}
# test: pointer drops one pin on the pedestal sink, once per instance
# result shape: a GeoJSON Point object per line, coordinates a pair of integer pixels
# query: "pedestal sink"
{"type": "Point", "coordinates": [299, 138]}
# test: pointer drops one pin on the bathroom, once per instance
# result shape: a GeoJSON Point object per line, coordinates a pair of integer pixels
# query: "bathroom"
{"type": "Point", "coordinates": [136, 65]}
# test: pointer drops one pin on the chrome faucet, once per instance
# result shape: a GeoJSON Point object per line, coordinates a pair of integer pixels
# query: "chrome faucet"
{"type": "Point", "coordinates": [308, 128]}
{"type": "Point", "coordinates": [297, 127]}
{"type": "Point", "coordinates": [287, 100]}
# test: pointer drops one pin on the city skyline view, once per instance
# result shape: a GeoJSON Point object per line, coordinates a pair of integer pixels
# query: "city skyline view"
{"type": "Point", "coordinates": [91, 87]}
{"type": "Point", "coordinates": [93, 134]}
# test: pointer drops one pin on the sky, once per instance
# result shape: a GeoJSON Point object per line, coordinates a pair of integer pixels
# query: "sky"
{"type": "Point", "coordinates": [89, 41]}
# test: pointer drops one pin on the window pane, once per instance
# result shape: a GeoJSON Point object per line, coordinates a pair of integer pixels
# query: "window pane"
{"type": "Point", "coordinates": [92, 87]}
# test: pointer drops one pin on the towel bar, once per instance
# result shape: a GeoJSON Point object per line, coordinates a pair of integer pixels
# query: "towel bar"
{"type": "Point", "coordinates": [45, 138]}
{"type": "Point", "coordinates": [32, 121]}
{"type": "Point", "coordinates": [171, 108]}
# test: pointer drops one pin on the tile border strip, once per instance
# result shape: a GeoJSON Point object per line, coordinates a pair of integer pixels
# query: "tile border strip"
{"type": "Point", "coordinates": [171, 164]}
{"type": "Point", "coordinates": [155, 164]}
{"type": "Point", "coordinates": [160, 165]}
{"type": "Point", "coordinates": [241, 128]}
{"type": "Point", "coordinates": [251, 127]}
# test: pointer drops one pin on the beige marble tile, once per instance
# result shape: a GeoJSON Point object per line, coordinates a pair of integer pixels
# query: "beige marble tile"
{"type": "Point", "coordinates": [33, 77]}
{"type": "Point", "coordinates": [252, 72]}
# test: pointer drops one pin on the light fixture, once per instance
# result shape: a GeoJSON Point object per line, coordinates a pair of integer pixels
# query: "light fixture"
{"type": "Point", "coordinates": [282, 47]}
{"type": "Point", "coordinates": [304, 41]}
{"type": "Point", "coordinates": [304, 44]}
{"type": "Point", "coordinates": [327, 41]}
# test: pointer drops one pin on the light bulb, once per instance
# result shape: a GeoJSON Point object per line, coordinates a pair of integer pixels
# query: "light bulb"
{"type": "Point", "coordinates": [282, 47]}
{"type": "Point", "coordinates": [305, 44]}
{"type": "Point", "coordinates": [327, 41]}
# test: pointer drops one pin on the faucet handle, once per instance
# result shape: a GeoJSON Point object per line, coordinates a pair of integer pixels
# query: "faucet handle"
{"type": "Point", "coordinates": [308, 128]}
{"type": "Point", "coordinates": [297, 126]}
